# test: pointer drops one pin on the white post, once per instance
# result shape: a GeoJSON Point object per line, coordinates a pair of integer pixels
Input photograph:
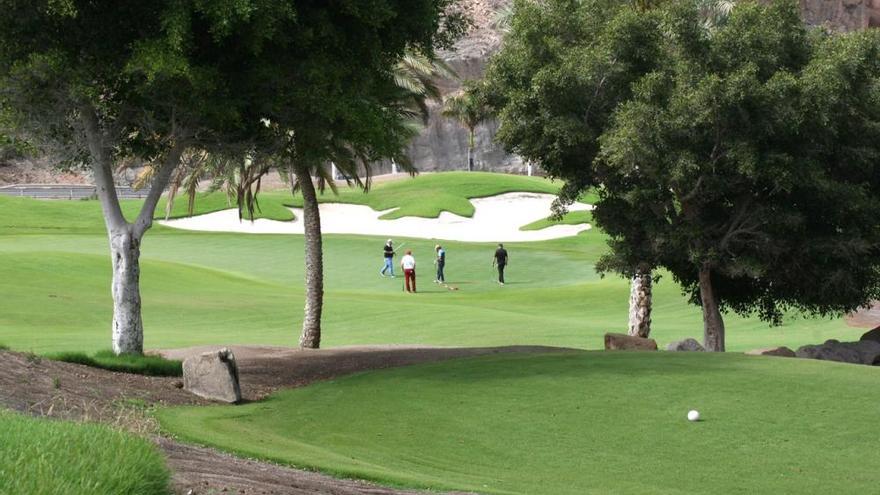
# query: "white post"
{"type": "Point", "coordinates": [529, 165]}
{"type": "Point", "coordinates": [393, 166]}
{"type": "Point", "coordinates": [333, 172]}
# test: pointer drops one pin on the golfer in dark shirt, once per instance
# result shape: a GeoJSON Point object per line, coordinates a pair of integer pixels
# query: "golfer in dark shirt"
{"type": "Point", "coordinates": [440, 261]}
{"type": "Point", "coordinates": [500, 261]}
{"type": "Point", "coordinates": [389, 258]}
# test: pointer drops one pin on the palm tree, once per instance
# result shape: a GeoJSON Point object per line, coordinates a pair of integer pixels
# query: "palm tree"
{"type": "Point", "coordinates": [415, 75]}
{"type": "Point", "coordinates": [468, 106]}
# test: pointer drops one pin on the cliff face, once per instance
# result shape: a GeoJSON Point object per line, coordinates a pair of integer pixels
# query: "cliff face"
{"type": "Point", "coordinates": [443, 144]}
{"type": "Point", "coordinates": [842, 15]}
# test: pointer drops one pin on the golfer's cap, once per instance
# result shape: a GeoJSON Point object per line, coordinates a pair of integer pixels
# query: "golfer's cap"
{"type": "Point", "coordinates": [389, 241]}
{"type": "Point", "coordinates": [437, 246]}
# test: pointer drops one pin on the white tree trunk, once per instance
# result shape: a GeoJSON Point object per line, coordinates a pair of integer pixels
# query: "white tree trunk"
{"type": "Point", "coordinates": [128, 328]}
{"type": "Point", "coordinates": [640, 305]}
{"type": "Point", "coordinates": [314, 259]}
{"type": "Point", "coordinates": [713, 323]}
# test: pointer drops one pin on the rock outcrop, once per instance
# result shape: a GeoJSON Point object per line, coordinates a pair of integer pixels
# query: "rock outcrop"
{"type": "Point", "coordinates": [861, 352]}
{"type": "Point", "coordinates": [624, 342]}
{"type": "Point", "coordinates": [841, 15]}
{"type": "Point", "coordinates": [213, 375]}
{"type": "Point", "coordinates": [772, 351]}
{"type": "Point", "coordinates": [686, 345]}
{"type": "Point", "coordinates": [872, 335]}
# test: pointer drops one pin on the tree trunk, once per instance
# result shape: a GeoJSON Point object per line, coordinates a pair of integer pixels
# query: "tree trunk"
{"type": "Point", "coordinates": [471, 151]}
{"type": "Point", "coordinates": [128, 328]}
{"type": "Point", "coordinates": [640, 304]}
{"type": "Point", "coordinates": [311, 330]}
{"type": "Point", "coordinates": [713, 324]}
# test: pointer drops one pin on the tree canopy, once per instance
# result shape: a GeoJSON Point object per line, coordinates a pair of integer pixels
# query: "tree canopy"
{"type": "Point", "coordinates": [742, 158]}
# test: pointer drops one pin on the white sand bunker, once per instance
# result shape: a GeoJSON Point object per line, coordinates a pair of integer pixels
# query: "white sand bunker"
{"type": "Point", "coordinates": [496, 219]}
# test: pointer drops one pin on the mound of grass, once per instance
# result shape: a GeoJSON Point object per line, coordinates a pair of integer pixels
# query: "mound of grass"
{"type": "Point", "coordinates": [126, 363]}
{"type": "Point", "coordinates": [573, 423]}
{"type": "Point", "coordinates": [570, 218]}
{"type": "Point", "coordinates": [4, 347]}
{"type": "Point", "coordinates": [43, 457]}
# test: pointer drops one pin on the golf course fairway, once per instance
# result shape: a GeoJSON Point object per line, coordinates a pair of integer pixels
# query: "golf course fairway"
{"type": "Point", "coordinates": [571, 423]}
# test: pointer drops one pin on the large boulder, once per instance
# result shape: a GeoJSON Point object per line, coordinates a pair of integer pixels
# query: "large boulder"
{"type": "Point", "coordinates": [872, 335]}
{"type": "Point", "coordinates": [861, 352]}
{"type": "Point", "coordinates": [212, 375]}
{"type": "Point", "coordinates": [686, 345]}
{"type": "Point", "coordinates": [772, 351]}
{"type": "Point", "coordinates": [624, 342]}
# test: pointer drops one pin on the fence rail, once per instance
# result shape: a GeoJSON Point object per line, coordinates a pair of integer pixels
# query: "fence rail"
{"type": "Point", "coordinates": [67, 191]}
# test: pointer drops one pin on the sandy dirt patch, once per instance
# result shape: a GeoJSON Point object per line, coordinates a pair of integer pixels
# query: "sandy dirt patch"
{"type": "Point", "coordinates": [868, 317]}
{"type": "Point", "coordinates": [496, 219]}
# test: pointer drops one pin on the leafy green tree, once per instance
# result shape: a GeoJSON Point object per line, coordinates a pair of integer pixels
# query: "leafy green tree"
{"type": "Point", "coordinates": [749, 160]}
{"type": "Point", "coordinates": [470, 108]}
{"type": "Point", "coordinates": [741, 157]}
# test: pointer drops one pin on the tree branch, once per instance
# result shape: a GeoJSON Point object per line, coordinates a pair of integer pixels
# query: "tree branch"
{"type": "Point", "coordinates": [157, 186]}
{"type": "Point", "coordinates": [100, 163]}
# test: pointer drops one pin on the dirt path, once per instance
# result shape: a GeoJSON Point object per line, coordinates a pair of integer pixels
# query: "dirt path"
{"type": "Point", "coordinates": [42, 387]}
{"type": "Point", "coordinates": [865, 317]}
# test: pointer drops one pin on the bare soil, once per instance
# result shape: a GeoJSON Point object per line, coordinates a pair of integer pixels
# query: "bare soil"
{"type": "Point", "coordinates": [41, 387]}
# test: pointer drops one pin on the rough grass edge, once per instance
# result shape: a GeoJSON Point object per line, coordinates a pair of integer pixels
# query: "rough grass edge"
{"type": "Point", "coordinates": [126, 363]}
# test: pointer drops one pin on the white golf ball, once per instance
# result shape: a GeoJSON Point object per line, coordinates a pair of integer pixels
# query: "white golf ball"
{"type": "Point", "coordinates": [693, 415]}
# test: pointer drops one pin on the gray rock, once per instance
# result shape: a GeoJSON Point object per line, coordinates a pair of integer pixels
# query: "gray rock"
{"type": "Point", "coordinates": [872, 335]}
{"type": "Point", "coordinates": [624, 342]}
{"type": "Point", "coordinates": [861, 352]}
{"type": "Point", "coordinates": [212, 375]}
{"type": "Point", "coordinates": [772, 351]}
{"type": "Point", "coordinates": [685, 345]}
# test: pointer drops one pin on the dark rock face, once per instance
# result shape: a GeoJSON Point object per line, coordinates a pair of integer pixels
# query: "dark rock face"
{"type": "Point", "coordinates": [872, 335]}
{"type": "Point", "coordinates": [624, 342]}
{"type": "Point", "coordinates": [773, 351]}
{"type": "Point", "coordinates": [861, 352]}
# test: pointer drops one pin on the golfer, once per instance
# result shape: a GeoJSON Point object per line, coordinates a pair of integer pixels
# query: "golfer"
{"type": "Point", "coordinates": [440, 261]}
{"type": "Point", "coordinates": [408, 264]}
{"type": "Point", "coordinates": [500, 260]}
{"type": "Point", "coordinates": [389, 258]}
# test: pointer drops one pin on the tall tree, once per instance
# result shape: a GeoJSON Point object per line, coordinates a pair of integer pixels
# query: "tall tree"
{"type": "Point", "coordinates": [726, 154]}
{"type": "Point", "coordinates": [469, 107]}
{"type": "Point", "coordinates": [337, 98]}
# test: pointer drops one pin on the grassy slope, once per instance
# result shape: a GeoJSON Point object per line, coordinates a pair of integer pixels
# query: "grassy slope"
{"type": "Point", "coordinates": [227, 288]}
{"type": "Point", "coordinates": [574, 423]}
{"type": "Point", "coordinates": [44, 457]}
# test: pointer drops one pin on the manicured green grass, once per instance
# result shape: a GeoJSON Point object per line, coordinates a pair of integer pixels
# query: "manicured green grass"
{"type": "Point", "coordinates": [46, 457]}
{"type": "Point", "coordinates": [210, 288]}
{"type": "Point", "coordinates": [570, 218]}
{"type": "Point", "coordinates": [573, 423]}
{"type": "Point", "coordinates": [126, 363]}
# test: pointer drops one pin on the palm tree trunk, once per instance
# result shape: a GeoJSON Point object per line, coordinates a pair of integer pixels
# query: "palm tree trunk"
{"type": "Point", "coordinates": [640, 303]}
{"type": "Point", "coordinates": [471, 151]}
{"type": "Point", "coordinates": [713, 323]}
{"type": "Point", "coordinates": [311, 329]}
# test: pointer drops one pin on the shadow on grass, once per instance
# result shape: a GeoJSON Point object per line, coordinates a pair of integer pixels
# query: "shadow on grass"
{"type": "Point", "coordinates": [125, 363]}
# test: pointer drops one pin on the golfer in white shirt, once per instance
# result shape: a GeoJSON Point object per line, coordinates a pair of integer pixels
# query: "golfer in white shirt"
{"type": "Point", "coordinates": [408, 264]}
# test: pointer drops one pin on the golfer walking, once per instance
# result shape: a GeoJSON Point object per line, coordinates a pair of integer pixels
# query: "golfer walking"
{"type": "Point", "coordinates": [408, 264]}
{"type": "Point", "coordinates": [389, 258]}
{"type": "Point", "coordinates": [440, 261]}
{"type": "Point", "coordinates": [500, 260]}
